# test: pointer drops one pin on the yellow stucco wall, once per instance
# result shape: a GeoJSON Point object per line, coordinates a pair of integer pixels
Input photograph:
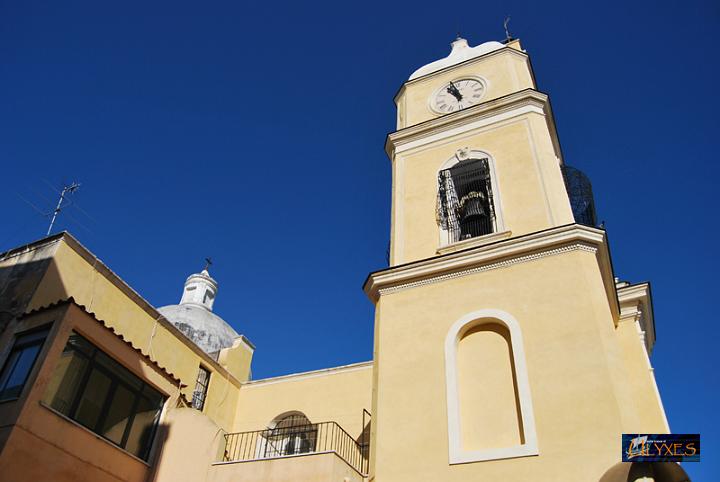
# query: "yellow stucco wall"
{"type": "Point", "coordinates": [191, 444]}
{"type": "Point", "coordinates": [321, 467]}
{"type": "Point", "coordinates": [580, 391]}
{"type": "Point", "coordinates": [332, 396]}
{"type": "Point", "coordinates": [71, 274]}
{"type": "Point", "coordinates": [491, 403]}
{"type": "Point", "coordinates": [651, 417]}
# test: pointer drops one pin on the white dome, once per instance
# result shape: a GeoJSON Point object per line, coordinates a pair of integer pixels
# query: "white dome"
{"type": "Point", "coordinates": [206, 329]}
{"type": "Point", "coordinates": [194, 316]}
{"type": "Point", "coordinates": [460, 52]}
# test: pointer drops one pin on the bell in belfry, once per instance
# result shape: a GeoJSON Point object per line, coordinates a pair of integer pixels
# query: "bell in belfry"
{"type": "Point", "coordinates": [471, 206]}
{"type": "Point", "coordinates": [472, 214]}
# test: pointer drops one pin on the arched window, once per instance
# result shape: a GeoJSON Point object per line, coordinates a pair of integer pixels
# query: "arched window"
{"type": "Point", "coordinates": [489, 406]}
{"type": "Point", "coordinates": [466, 200]}
{"type": "Point", "coordinates": [290, 434]}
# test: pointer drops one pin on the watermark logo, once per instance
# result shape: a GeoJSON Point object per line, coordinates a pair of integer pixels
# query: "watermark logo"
{"type": "Point", "coordinates": [639, 447]}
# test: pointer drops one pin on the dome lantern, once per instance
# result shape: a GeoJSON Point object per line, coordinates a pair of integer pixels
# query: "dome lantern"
{"type": "Point", "coordinates": [194, 316]}
{"type": "Point", "coordinates": [200, 289]}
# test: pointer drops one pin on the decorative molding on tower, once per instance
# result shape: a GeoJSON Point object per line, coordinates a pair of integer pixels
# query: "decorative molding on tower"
{"type": "Point", "coordinates": [636, 307]}
{"type": "Point", "coordinates": [501, 254]}
{"type": "Point", "coordinates": [490, 112]}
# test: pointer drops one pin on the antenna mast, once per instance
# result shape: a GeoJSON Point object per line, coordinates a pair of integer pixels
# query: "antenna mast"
{"type": "Point", "coordinates": [66, 190]}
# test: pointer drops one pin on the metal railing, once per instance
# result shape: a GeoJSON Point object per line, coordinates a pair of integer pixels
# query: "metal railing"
{"type": "Point", "coordinates": [296, 440]}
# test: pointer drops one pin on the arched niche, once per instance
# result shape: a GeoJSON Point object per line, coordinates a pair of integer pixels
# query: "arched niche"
{"type": "Point", "coordinates": [490, 413]}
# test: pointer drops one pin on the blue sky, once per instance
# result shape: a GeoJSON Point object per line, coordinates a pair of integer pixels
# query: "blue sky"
{"type": "Point", "coordinates": [253, 132]}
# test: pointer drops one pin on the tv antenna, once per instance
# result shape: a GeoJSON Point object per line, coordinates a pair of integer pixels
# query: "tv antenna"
{"type": "Point", "coordinates": [69, 189]}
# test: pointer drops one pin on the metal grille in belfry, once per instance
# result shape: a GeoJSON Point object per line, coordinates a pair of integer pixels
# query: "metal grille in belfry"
{"type": "Point", "coordinates": [579, 191]}
{"type": "Point", "coordinates": [465, 207]}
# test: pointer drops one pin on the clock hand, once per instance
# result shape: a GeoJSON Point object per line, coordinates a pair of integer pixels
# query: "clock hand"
{"type": "Point", "coordinates": [454, 91]}
{"type": "Point", "coordinates": [457, 95]}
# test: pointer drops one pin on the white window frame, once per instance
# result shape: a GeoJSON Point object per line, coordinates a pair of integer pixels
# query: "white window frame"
{"type": "Point", "coordinates": [457, 454]}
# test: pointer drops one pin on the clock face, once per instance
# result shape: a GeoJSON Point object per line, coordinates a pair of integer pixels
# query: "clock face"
{"type": "Point", "coordinates": [457, 95]}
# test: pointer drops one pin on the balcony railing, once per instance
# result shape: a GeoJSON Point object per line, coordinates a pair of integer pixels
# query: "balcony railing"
{"type": "Point", "coordinates": [296, 440]}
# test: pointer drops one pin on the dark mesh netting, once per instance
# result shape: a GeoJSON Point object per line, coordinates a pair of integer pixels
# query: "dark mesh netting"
{"type": "Point", "coordinates": [581, 196]}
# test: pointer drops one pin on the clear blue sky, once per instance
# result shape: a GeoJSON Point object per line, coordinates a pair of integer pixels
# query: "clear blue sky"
{"type": "Point", "coordinates": [253, 132]}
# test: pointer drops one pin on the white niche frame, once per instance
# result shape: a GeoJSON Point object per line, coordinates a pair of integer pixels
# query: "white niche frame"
{"type": "Point", "coordinates": [456, 453]}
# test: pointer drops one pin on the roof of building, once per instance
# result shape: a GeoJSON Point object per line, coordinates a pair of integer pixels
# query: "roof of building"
{"type": "Point", "coordinates": [71, 301]}
{"type": "Point", "coordinates": [460, 52]}
{"type": "Point", "coordinates": [133, 295]}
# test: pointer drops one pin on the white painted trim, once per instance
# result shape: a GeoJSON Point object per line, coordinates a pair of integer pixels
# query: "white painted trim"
{"type": "Point", "coordinates": [500, 254]}
{"type": "Point", "coordinates": [398, 215]}
{"type": "Point", "coordinates": [474, 242]}
{"type": "Point", "coordinates": [536, 158]}
{"type": "Point", "coordinates": [487, 267]}
{"type": "Point", "coordinates": [481, 122]}
{"type": "Point", "coordinates": [456, 453]}
{"type": "Point", "coordinates": [311, 374]}
{"type": "Point", "coordinates": [651, 372]}
{"type": "Point", "coordinates": [495, 185]}
{"type": "Point", "coordinates": [636, 302]}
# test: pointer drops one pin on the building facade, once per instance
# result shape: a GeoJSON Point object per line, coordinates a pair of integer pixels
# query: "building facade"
{"type": "Point", "coordinates": [504, 344]}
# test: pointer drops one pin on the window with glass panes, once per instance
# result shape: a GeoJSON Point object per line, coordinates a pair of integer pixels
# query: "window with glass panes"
{"type": "Point", "coordinates": [96, 391]}
{"type": "Point", "coordinates": [20, 362]}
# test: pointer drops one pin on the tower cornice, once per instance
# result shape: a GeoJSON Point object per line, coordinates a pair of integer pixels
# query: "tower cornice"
{"type": "Point", "coordinates": [521, 249]}
{"type": "Point", "coordinates": [502, 51]}
{"type": "Point", "coordinates": [490, 112]}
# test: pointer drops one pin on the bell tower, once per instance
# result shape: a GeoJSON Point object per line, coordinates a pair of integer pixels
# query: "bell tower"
{"type": "Point", "coordinates": [476, 157]}
{"type": "Point", "coordinates": [503, 346]}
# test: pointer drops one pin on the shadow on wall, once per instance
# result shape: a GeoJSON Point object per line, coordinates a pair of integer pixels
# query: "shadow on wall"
{"type": "Point", "coordinates": [20, 277]}
{"type": "Point", "coordinates": [161, 436]}
{"type": "Point", "coordinates": [363, 441]}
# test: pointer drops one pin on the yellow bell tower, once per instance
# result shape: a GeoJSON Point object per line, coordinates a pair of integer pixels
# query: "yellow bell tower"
{"type": "Point", "coordinates": [478, 103]}
{"type": "Point", "coordinates": [504, 347]}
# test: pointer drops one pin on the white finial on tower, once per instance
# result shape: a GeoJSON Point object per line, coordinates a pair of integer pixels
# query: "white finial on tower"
{"type": "Point", "coordinates": [458, 44]}
{"type": "Point", "coordinates": [200, 289]}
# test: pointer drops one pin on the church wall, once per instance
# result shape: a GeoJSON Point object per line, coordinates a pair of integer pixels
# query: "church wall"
{"type": "Point", "coordinates": [530, 191]}
{"type": "Point", "coordinates": [581, 401]}
{"type": "Point", "coordinates": [333, 396]}
{"type": "Point", "coordinates": [71, 274]}
{"type": "Point", "coordinates": [636, 365]}
{"type": "Point", "coordinates": [505, 71]}
{"type": "Point", "coordinates": [192, 443]}
{"type": "Point", "coordinates": [488, 397]}
{"type": "Point", "coordinates": [319, 467]}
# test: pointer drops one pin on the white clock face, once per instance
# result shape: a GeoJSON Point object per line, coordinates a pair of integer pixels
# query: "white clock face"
{"type": "Point", "coordinates": [457, 95]}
